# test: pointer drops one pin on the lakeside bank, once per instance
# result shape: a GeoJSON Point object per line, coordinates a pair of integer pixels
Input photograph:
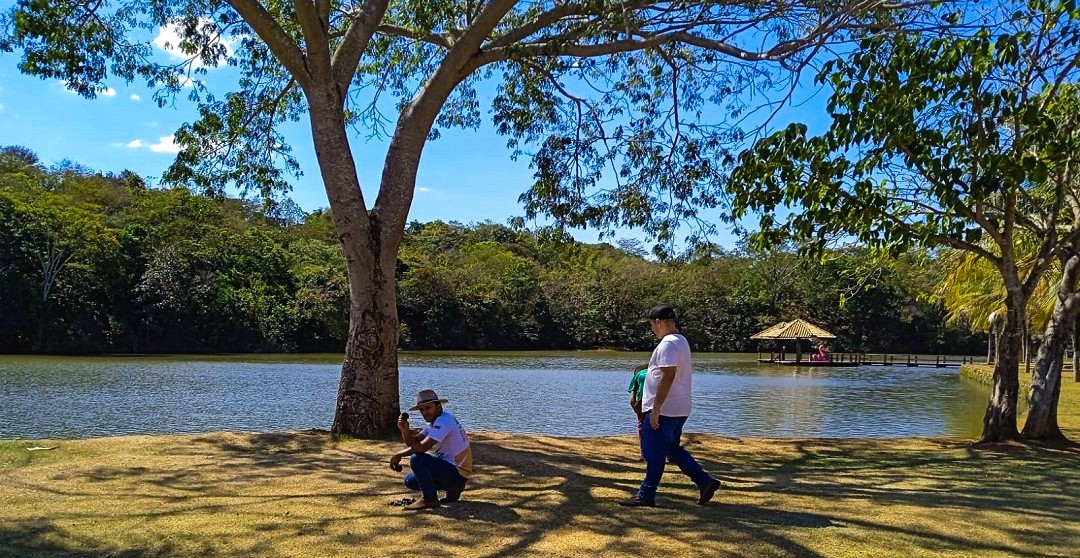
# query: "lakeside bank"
{"type": "Point", "coordinates": [303, 493]}
{"type": "Point", "coordinates": [1068, 402]}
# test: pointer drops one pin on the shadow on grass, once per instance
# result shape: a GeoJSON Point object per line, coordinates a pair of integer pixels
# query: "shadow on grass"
{"type": "Point", "coordinates": [1021, 484]}
{"type": "Point", "coordinates": [532, 494]}
{"type": "Point", "coordinates": [728, 530]}
{"type": "Point", "coordinates": [42, 538]}
{"type": "Point", "coordinates": [485, 512]}
{"type": "Point", "coordinates": [1024, 479]}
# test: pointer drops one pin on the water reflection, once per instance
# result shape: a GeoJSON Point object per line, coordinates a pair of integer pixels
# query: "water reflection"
{"type": "Point", "coordinates": [560, 393]}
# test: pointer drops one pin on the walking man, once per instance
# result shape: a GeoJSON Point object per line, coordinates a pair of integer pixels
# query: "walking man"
{"type": "Point", "coordinates": [441, 457]}
{"type": "Point", "coordinates": [666, 404]}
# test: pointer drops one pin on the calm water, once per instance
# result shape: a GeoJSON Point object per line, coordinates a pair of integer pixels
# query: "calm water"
{"type": "Point", "coordinates": [570, 394]}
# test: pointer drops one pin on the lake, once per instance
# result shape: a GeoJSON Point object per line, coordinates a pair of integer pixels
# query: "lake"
{"type": "Point", "coordinates": [558, 393]}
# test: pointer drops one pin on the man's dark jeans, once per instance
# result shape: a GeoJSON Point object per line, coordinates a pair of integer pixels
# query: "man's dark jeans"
{"type": "Point", "coordinates": [431, 474]}
{"type": "Point", "coordinates": [663, 443]}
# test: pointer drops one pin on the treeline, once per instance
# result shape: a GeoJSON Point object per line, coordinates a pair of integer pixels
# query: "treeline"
{"type": "Point", "coordinates": [93, 262]}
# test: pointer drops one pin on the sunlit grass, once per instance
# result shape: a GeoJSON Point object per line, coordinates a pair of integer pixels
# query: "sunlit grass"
{"type": "Point", "coordinates": [303, 494]}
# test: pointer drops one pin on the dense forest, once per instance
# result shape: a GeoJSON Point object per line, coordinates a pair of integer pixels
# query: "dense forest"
{"type": "Point", "coordinates": [95, 262]}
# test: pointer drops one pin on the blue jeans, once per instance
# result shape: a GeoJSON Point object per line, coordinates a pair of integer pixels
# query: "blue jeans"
{"type": "Point", "coordinates": [659, 445]}
{"type": "Point", "coordinates": [431, 474]}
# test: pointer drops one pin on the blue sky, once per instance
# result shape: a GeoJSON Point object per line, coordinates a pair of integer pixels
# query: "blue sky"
{"type": "Point", "coordinates": [124, 129]}
{"type": "Point", "coordinates": [466, 175]}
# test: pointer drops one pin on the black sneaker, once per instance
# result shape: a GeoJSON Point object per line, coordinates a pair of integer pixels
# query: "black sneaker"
{"type": "Point", "coordinates": [637, 501]}
{"type": "Point", "coordinates": [453, 493]}
{"type": "Point", "coordinates": [706, 493]}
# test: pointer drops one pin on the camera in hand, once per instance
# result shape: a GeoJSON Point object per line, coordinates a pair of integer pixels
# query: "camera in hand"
{"type": "Point", "coordinates": [397, 467]}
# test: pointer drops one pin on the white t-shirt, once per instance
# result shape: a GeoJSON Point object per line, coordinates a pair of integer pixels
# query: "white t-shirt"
{"type": "Point", "coordinates": [451, 442]}
{"type": "Point", "coordinates": [673, 350]}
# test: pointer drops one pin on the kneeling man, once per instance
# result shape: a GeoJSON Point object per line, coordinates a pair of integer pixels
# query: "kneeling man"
{"type": "Point", "coordinates": [441, 455]}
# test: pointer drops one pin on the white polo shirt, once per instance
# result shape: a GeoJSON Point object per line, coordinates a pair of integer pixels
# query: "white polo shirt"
{"type": "Point", "coordinates": [673, 350]}
{"type": "Point", "coordinates": [451, 442]}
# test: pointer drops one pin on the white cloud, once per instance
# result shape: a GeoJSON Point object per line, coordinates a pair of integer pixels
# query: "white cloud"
{"type": "Point", "coordinates": [168, 40]}
{"type": "Point", "coordinates": [423, 189]}
{"type": "Point", "coordinates": [109, 92]}
{"type": "Point", "coordinates": [165, 145]}
{"type": "Point", "coordinates": [135, 97]}
{"type": "Point", "coordinates": [1, 106]}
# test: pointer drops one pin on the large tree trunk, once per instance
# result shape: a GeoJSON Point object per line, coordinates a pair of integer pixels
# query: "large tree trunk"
{"type": "Point", "coordinates": [367, 399]}
{"type": "Point", "coordinates": [1041, 423]}
{"type": "Point", "coordinates": [367, 402]}
{"type": "Point", "coordinates": [999, 422]}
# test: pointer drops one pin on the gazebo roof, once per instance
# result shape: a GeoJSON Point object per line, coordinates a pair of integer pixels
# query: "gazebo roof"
{"type": "Point", "coordinates": [795, 329]}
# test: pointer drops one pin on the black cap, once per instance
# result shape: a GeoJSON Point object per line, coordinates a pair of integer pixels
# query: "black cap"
{"type": "Point", "coordinates": [662, 312]}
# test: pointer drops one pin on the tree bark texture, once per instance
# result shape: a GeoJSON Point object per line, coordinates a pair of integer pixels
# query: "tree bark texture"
{"type": "Point", "coordinates": [1041, 423]}
{"type": "Point", "coordinates": [995, 320]}
{"type": "Point", "coordinates": [999, 422]}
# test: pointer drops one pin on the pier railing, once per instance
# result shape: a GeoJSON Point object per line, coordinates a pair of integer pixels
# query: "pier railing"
{"type": "Point", "coordinates": [875, 359]}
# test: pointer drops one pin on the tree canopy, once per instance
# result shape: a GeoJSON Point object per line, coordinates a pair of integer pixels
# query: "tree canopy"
{"type": "Point", "coordinates": [941, 139]}
{"type": "Point", "coordinates": [584, 85]}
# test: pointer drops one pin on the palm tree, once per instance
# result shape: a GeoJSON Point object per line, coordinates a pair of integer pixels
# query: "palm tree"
{"type": "Point", "coordinates": [973, 289]}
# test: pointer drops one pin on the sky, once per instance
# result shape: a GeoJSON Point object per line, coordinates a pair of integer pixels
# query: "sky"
{"type": "Point", "coordinates": [125, 129]}
{"type": "Point", "coordinates": [466, 175]}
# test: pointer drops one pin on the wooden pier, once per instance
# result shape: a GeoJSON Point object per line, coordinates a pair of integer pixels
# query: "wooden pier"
{"type": "Point", "coordinates": [873, 359]}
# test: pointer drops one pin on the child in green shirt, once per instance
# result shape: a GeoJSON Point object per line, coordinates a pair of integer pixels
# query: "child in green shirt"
{"type": "Point", "coordinates": [637, 391]}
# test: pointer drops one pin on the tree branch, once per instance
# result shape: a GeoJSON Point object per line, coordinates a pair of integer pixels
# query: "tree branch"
{"type": "Point", "coordinates": [315, 37]}
{"type": "Point", "coordinates": [541, 22]}
{"type": "Point", "coordinates": [404, 32]}
{"type": "Point", "coordinates": [277, 40]}
{"type": "Point", "coordinates": [347, 57]}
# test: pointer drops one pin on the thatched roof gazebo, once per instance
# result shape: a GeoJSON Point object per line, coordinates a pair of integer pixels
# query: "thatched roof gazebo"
{"type": "Point", "coordinates": [796, 329]}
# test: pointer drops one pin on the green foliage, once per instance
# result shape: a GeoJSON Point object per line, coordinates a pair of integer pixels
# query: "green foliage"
{"type": "Point", "coordinates": [940, 139]}
{"type": "Point", "coordinates": [166, 270]}
{"type": "Point", "coordinates": [630, 112]}
{"type": "Point", "coordinates": [933, 138]}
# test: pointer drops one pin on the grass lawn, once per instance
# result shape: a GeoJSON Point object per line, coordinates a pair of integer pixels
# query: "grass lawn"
{"type": "Point", "coordinates": [305, 494]}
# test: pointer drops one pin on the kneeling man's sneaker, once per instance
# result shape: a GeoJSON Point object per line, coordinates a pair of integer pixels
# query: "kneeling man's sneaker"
{"type": "Point", "coordinates": [453, 493]}
{"type": "Point", "coordinates": [707, 492]}
{"type": "Point", "coordinates": [637, 501]}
